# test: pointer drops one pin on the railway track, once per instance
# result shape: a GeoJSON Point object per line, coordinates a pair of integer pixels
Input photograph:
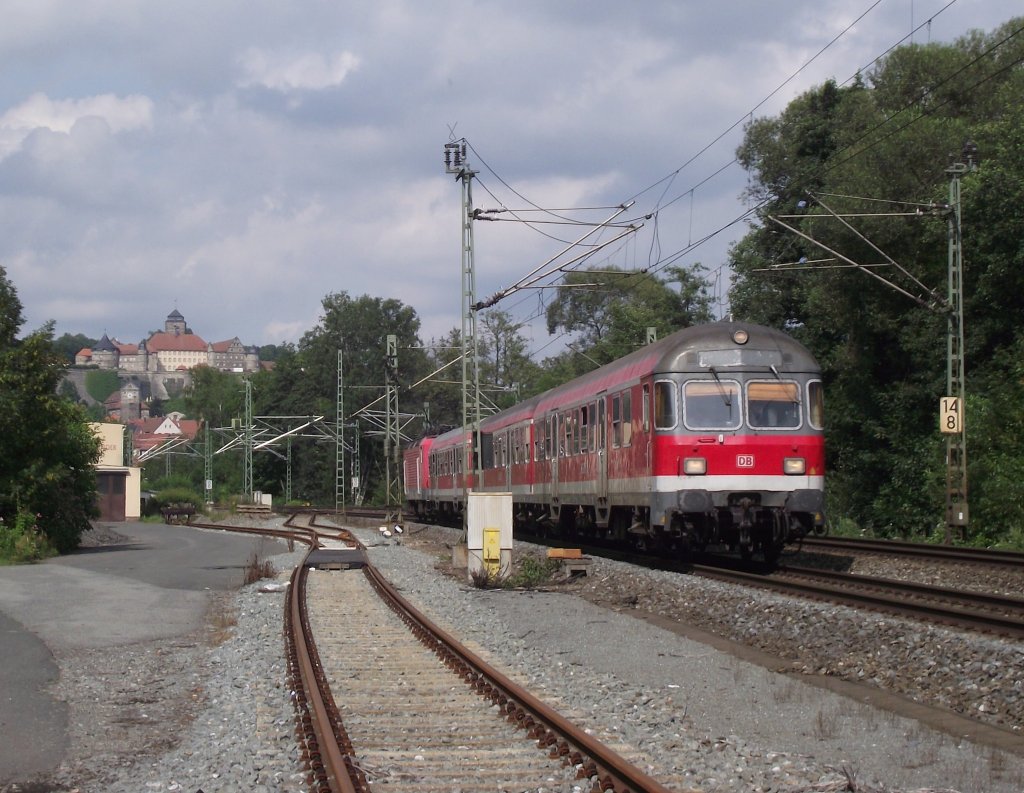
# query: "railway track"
{"type": "Point", "coordinates": [388, 700]}
{"type": "Point", "coordinates": [967, 610]}
{"type": "Point", "coordinates": [946, 553]}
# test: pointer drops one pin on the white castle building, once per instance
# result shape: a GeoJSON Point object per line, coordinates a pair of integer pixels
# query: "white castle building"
{"type": "Point", "coordinates": [174, 349]}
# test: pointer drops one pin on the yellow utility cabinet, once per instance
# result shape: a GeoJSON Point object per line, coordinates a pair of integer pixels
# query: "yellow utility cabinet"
{"type": "Point", "coordinates": [489, 535]}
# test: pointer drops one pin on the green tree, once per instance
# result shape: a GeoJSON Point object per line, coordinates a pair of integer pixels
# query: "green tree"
{"type": "Point", "coordinates": [271, 352]}
{"type": "Point", "coordinates": [442, 392]}
{"type": "Point", "coordinates": [611, 320]}
{"type": "Point", "coordinates": [305, 382]}
{"type": "Point", "coordinates": [506, 365]}
{"type": "Point", "coordinates": [887, 138]}
{"type": "Point", "coordinates": [46, 469]}
{"type": "Point", "coordinates": [68, 346]}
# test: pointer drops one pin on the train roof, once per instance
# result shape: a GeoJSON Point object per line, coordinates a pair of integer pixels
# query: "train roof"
{"type": "Point", "coordinates": [719, 346]}
{"type": "Point", "coordinates": [699, 348]}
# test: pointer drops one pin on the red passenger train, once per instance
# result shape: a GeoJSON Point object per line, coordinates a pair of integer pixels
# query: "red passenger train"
{"type": "Point", "coordinates": [711, 437]}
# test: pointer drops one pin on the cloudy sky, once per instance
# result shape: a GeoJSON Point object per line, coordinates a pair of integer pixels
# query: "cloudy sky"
{"type": "Point", "coordinates": [241, 159]}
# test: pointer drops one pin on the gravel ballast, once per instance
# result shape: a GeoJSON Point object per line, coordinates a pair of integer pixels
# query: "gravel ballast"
{"type": "Point", "coordinates": [676, 706]}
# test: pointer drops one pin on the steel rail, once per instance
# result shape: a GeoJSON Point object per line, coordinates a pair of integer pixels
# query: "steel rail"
{"type": "Point", "coordinates": [327, 750]}
{"type": "Point", "coordinates": [926, 550]}
{"type": "Point", "coordinates": [987, 600]}
{"type": "Point", "coordinates": [549, 727]}
{"type": "Point", "coordinates": [859, 597]}
{"type": "Point", "coordinates": [327, 761]}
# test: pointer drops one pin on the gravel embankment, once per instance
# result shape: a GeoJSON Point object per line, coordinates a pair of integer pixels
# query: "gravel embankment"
{"type": "Point", "coordinates": [685, 709]}
{"type": "Point", "coordinates": [206, 712]}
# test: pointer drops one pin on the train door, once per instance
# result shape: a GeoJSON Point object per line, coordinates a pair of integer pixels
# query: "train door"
{"type": "Point", "coordinates": [648, 435]}
{"type": "Point", "coordinates": [554, 441]}
{"type": "Point", "coordinates": [601, 460]}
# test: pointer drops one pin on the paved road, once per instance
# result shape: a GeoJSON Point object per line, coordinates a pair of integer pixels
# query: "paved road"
{"type": "Point", "coordinates": [153, 585]}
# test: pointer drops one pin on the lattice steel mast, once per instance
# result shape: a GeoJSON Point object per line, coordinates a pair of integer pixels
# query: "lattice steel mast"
{"type": "Point", "coordinates": [456, 163]}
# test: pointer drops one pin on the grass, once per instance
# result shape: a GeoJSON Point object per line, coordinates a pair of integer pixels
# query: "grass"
{"type": "Point", "coordinates": [826, 724]}
{"type": "Point", "coordinates": [528, 572]}
{"type": "Point", "coordinates": [257, 569]}
{"type": "Point", "coordinates": [21, 540]}
{"type": "Point", "coordinates": [221, 620]}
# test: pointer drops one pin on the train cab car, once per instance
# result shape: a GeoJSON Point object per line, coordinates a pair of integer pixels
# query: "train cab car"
{"type": "Point", "coordinates": [711, 437]}
{"type": "Point", "coordinates": [738, 447]}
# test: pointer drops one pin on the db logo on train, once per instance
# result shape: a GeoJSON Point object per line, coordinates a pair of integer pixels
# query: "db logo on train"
{"type": "Point", "coordinates": [744, 461]}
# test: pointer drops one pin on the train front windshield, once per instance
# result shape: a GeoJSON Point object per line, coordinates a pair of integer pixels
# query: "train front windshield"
{"type": "Point", "coordinates": [724, 404]}
{"type": "Point", "coordinates": [711, 405]}
{"type": "Point", "coordinates": [773, 405]}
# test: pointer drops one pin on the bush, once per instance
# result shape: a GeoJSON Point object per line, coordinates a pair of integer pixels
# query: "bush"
{"type": "Point", "coordinates": [178, 496]}
{"type": "Point", "coordinates": [23, 540]}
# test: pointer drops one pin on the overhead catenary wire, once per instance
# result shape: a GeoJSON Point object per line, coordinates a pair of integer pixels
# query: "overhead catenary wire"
{"type": "Point", "coordinates": [658, 261]}
{"type": "Point", "coordinates": [656, 264]}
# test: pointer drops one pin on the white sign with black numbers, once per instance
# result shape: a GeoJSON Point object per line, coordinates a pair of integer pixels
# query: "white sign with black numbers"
{"type": "Point", "coordinates": [951, 415]}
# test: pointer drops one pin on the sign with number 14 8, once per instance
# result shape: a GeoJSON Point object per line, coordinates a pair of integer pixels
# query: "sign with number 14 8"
{"type": "Point", "coordinates": [951, 415]}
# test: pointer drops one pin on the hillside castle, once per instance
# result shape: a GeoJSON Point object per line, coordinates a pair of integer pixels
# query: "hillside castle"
{"type": "Point", "coordinates": [174, 349]}
{"type": "Point", "coordinates": [160, 367]}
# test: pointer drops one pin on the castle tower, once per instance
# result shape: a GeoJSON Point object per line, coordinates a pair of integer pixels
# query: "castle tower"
{"type": "Point", "coordinates": [175, 323]}
{"type": "Point", "coordinates": [130, 402]}
{"type": "Point", "coordinates": [105, 354]}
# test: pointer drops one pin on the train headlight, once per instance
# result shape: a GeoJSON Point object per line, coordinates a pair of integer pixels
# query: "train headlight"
{"type": "Point", "coordinates": [740, 336]}
{"type": "Point", "coordinates": [695, 466]}
{"type": "Point", "coordinates": [794, 466]}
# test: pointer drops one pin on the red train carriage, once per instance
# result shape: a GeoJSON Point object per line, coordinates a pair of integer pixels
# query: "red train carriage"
{"type": "Point", "coordinates": [709, 437]}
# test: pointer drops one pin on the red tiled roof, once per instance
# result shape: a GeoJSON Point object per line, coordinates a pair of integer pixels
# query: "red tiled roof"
{"type": "Point", "coordinates": [222, 346]}
{"type": "Point", "coordinates": [185, 342]}
{"type": "Point", "coordinates": [145, 425]}
{"type": "Point", "coordinates": [145, 435]}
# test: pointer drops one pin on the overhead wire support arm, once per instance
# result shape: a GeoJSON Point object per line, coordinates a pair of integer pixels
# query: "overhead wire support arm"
{"type": "Point", "coordinates": [528, 281]}
{"type": "Point", "coordinates": [916, 298]}
{"type": "Point", "coordinates": [938, 300]}
{"type": "Point", "coordinates": [597, 227]}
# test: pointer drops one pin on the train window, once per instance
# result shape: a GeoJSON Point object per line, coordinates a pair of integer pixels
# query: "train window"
{"type": "Point", "coordinates": [627, 418]}
{"type": "Point", "coordinates": [646, 410]}
{"type": "Point", "coordinates": [665, 415]}
{"type": "Point", "coordinates": [487, 447]}
{"type": "Point", "coordinates": [773, 405]}
{"type": "Point", "coordinates": [551, 439]}
{"type": "Point", "coordinates": [711, 404]}
{"type": "Point", "coordinates": [816, 404]}
{"type": "Point", "coordinates": [584, 429]}
{"type": "Point", "coordinates": [600, 425]}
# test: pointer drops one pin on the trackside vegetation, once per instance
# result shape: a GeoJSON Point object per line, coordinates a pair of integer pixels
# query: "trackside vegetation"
{"type": "Point", "coordinates": [47, 479]}
{"type": "Point", "coordinates": [878, 150]}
